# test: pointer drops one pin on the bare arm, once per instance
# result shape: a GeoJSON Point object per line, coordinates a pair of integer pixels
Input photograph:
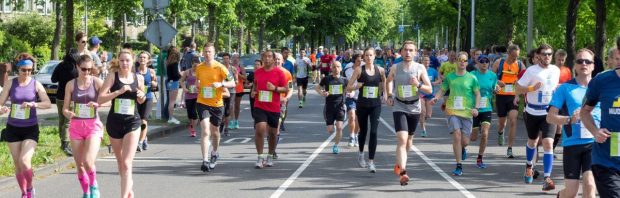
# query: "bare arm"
{"type": "Point", "coordinates": [104, 93]}
{"type": "Point", "coordinates": [426, 82]}
{"type": "Point", "coordinates": [553, 117]}
{"type": "Point", "coordinates": [45, 100]}
{"type": "Point", "coordinates": [182, 81]}
{"type": "Point", "coordinates": [5, 93]}
{"type": "Point", "coordinates": [390, 82]}
{"type": "Point", "coordinates": [67, 99]}
{"type": "Point", "coordinates": [141, 95]}
{"type": "Point", "coordinates": [354, 77]}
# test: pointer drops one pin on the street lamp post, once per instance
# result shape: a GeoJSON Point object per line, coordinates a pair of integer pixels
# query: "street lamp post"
{"type": "Point", "coordinates": [458, 30]}
{"type": "Point", "coordinates": [473, 23]}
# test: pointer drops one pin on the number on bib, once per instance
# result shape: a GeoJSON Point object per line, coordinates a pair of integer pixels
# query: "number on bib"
{"type": "Point", "coordinates": [208, 92]}
{"type": "Point", "coordinates": [192, 89]}
{"type": "Point", "coordinates": [124, 106]}
{"type": "Point", "coordinates": [265, 96]}
{"type": "Point", "coordinates": [323, 65]}
{"type": "Point", "coordinates": [509, 88]}
{"type": "Point", "coordinates": [335, 89]}
{"type": "Point", "coordinates": [83, 110]}
{"type": "Point", "coordinates": [614, 144]}
{"type": "Point", "coordinates": [406, 91]}
{"type": "Point", "coordinates": [484, 101]}
{"type": "Point", "coordinates": [371, 92]}
{"type": "Point", "coordinates": [458, 103]}
{"type": "Point", "coordinates": [18, 112]}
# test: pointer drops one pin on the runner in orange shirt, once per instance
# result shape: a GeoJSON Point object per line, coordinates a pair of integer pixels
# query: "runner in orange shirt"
{"type": "Point", "coordinates": [284, 98]}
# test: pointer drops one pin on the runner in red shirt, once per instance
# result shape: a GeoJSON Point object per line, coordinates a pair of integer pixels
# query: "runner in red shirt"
{"type": "Point", "coordinates": [269, 82]}
{"type": "Point", "coordinates": [326, 63]}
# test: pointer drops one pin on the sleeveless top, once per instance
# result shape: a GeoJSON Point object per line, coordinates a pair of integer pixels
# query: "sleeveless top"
{"type": "Point", "coordinates": [124, 107]}
{"type": "Point", "coordinates": [406, 97]}
{"type": "Point", "coordinates": [239, 87]}
{"type": "Point", "coordinates": [369, 94]}
{"type": "Point", "coordinates": [81, 98]}
{"type": "Point", "coordinates": [147, 82]}
{"type": "Point", "coordinates": [190, 83]}
{"type": "Point", "coordinates": [19, 94]}
{"type": "Point", "coordinates": [232, 76]}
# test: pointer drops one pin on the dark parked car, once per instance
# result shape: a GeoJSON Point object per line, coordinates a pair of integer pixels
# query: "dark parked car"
{"type": "Point", "coordinates": [247, 62]}
{"type": "Point", "coordinates": [44, 76]}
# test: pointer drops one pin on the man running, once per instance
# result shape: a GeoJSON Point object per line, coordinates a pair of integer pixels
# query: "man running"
{"type": "Point", "coordinates": [228, 101]}
{"type": "Point", "coordinates": [351, 99]}
{"type": "Point", "coordinates": [604, 89]}
{"type": "Point", "coordinates": [460, 107]}
{"type": "Point", "coordinates": [406, 79]}
{"type": "Point", "coordinates": [284, 98]}
{"type": "Point", "coordinates": [538, 83]}
{"type": "Point", "coordinates": [332, 88]}
{"type": "Point", "coordinates": [269, 83]}
{"type": "Point", "coordinates": [488, 83]}
{"type": "Point", "coordinates": [576, 140]}
{"type": "Point", "coordinates": [212, 78]}
{"type": "Point", "coordinates": [326, 62]}
{"type": "Point", "coordinates": [302, 67]}
{"type": "Point", "coordinates": [507, 70]}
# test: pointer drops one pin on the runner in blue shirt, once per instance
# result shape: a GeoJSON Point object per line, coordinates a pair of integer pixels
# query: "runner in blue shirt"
{"type": "Point", "coordinates": [605, 88]}
{"type": "Point", "coordinates": [576, 139]}
{"type": "Point", "coordinates": [427, 108]}
{"type": "Point", "coordinates": [482, 123]}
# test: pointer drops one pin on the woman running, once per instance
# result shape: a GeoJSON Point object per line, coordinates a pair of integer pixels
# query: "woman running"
{"type": "Point", "coordinates": [85, 128]}
{"type": "Point", "coordinates": [144, 109]}
{"type": "Point", "coordinates": [173, 73]}
{"type": "Point", "coordinates": [188, 83]}
{"type": "Point", "coordinates": [125, 89]}
{"type": "Point", "coordinates": [427, 108]}
{"type": "Point", "coordinates": [370, 83]}
{"type": "Point", "coordinates": [238, 90]}
{"type": "Point", "coordinates": [22, 128]}
{"type": "Point", "coordinates": [406, 79]}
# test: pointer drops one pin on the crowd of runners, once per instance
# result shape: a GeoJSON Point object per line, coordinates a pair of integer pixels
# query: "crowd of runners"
{"type": "Point", "coordinates": [579, 108]}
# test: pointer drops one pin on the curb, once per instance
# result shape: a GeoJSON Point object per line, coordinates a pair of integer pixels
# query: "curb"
{"type": "Point", "coordinates": [67, 163]}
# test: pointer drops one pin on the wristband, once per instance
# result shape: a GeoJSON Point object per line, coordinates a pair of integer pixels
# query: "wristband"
{"type": "Point", "coordinates": [530, 88]}
{"type": "Point", "coordinates": [568, 120]}
{"type": "Point", "coordinates": [419, 85]}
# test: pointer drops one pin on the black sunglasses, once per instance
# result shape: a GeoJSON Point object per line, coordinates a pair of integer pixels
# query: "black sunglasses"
{"type": "Point", "coordinates": [584, 61]}
{"type": "Point", "coordinates": [546, 54]}
{"type": "Point", "coordinates": [86, 69]}
{"type": "Point", "coordinates": [83, 41]}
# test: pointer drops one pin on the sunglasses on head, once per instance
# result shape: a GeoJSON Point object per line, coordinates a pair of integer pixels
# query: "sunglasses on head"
{"type": "Point", "coordinates": [584, 61]}
{"type": "Point", "coordinates": [25, 70]}
{"type": "Point", "coordinates": [546, 54]}
{"type": "Point", "coordinates": [86, 69]}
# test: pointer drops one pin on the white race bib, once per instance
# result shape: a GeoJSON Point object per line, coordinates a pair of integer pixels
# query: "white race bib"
{"type": "Point", "coordinates": [458, 103]}
{"type": "Point", "coordinates": [192, 89]}
{"type": "Point", "coordinates": [208, 92]}
{"type": "Point", "coordinates": [335, 89]}
{"type": "Point", "coordinates": [509, 88]}
{"type": "Point", "coordinates": [18, 112]}
{"type": "Point", "coordinates": [406, 91]}
{"type": "Point", "coordinates": [370, 92]}
{"type": "Point", "coordinates": [323, 65]}
{"type": "Point", "coordinates": [483, 102]}
{"type": "Point", "coordinates": [84, 111]}
{"type": "Point", "coordinates": [614, 144]}
{"type": "Point", "coordinates": [124, 106]}
{"type": "Point", "coordinates": [265, 96]}
{"type": "Point", "coordinates": [546, 97]}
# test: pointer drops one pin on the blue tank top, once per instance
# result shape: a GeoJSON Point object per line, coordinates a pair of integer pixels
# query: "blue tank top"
{"type": "Point", "coordinates": [147, 82]}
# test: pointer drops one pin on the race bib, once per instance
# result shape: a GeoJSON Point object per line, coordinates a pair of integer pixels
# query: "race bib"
{"type": "Point", "coordinates": [614, 144]}
{"type": "Point", "coordinates": [335, 89]}
{"type": "Point", "coordinates": [585, 133]}
{"type": "Point", "coordinates": [458, 103]}
{"type": "Point", "coordinates": [18, 112]}
{"type": "Point", "coordinates": [483, 102]}
{"type": "Point", "coordinates": [208, 92]}
{"type": "Point", "coordinates": [124, 106]}
{"type": "Point", "coordinates": [265, 96]}
{"type": "Point", "coordinates": [371, 92]}
{"type": "Point", "coordinates": [323, 65]}
{"type": "Point", "coordinates": [509, 88]}
{"type": "Point", "coordinates": [83, 110]}
{"type": "Point", "coordinates": [406, 91]}
{"type": "Point", "coordinates": [544, 97]}
{"type": "Point", "coordinates": [192, 89]}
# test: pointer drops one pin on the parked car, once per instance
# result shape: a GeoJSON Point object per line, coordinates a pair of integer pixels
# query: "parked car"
{"type": "Point", "coordinates": [247, 62]}
{"type": "Point", "coordinates": [44, 76]}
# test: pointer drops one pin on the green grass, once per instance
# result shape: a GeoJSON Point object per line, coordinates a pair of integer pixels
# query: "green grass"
{"type": "Point", "coordinates": [47, 151]}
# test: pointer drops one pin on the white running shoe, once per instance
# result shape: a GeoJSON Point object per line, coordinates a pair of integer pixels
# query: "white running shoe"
{"type": "Point", "coordinates": [260, 163]}
{"type": "Point", "coordinates": [371, 167]}
{"type": "Point", "coordinates": [269, 162]}
{"type": "Point", "coordinates": [173, 120]}
{"type": "Point", "coordinates": [360, 160]}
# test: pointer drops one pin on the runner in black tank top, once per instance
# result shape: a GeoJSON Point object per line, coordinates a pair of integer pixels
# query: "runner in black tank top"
{"type": "Point", "coordinates": [371, 88]}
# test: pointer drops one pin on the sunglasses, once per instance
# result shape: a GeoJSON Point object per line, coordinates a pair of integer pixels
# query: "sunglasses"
{"type": "Point", "coordinates": [86, 69]}
{"type": "Point", "coordinates": [83, 42]}
{"type": "Point", "coordinates": [583, 61]}
{"type": "Point", "coordinates": [546, 54]}
{"type": "Point", "coordinates": [484, 61]}
{"type": "Point", "coordinates": [25, 70]}
{"type": "Point", "coordinates": [461, 60]}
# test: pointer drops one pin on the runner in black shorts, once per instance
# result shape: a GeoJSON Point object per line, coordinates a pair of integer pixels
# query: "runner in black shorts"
{"type": "Point", "coordinates": [303, 66]}
{"type": "Point", "coordinates": [332, 87]}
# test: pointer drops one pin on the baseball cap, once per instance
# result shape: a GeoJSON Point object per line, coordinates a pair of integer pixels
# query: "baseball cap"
{"type": "Point", "coordinates": [482, 57]}
{"type": "Point", "coordinates": [95, 40]}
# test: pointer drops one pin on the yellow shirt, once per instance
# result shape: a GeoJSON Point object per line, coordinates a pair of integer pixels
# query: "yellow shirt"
{"type": "Point", "coordinates": [206, 75]}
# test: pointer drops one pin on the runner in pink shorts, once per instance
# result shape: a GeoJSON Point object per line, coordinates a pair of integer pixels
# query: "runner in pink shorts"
{"type": "Point", "coordinates": [85, 128]}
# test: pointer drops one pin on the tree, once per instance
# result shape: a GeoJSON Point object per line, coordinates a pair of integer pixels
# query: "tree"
{"type": "Point", "coordinates": [32, 28]}
{"type": "Point", "coordinates": [69, 34]}
{"type": "Point", "coordinates": [57, 30]}
{"type": "Point", "coordinates": [600, 37]}
{"type": "Point", "coordinates": [571, 23]}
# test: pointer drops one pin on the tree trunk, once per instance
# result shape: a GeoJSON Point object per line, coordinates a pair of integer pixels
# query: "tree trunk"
{"type": "Point", "coordinates": [69, 34]}
{"type": "Point", "coordinates": [211, 20]}
{"type": "Point", "coordinates": [240, 16]}
{"type": "Point", "coordinates": [600, 36]}
{"type": "Point", "coordinates": [218, 30]}
{"type": "Point", "coordinates": [57, 31]}
{"type": "Point", "coordinates": [571, 24]}
{"type": "Point", "coordinates": [248, 44]}
{"type": "Point", "coordinates": [261, 34]}
{"type": "Point", "coordinates": [124, 27]}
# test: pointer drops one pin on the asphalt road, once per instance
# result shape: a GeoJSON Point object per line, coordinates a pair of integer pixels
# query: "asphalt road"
{"type": "Point", "coordinates": [307, 168]}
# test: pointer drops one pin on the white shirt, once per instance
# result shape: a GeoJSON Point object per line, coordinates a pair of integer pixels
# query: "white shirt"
{"type": "Point", "coordinates": [348, 73]}
{"type": "Point", "coordinates": [549, 77]}
{"type": "Point", "coordinates": [301, 67]}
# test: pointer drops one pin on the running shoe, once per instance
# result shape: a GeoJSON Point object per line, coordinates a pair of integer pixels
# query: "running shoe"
{"type": "Point", "coordinates": [357, 142]}
{"type": "Point", "coordinates": [548, 184]}
{"type": "Point", "coordinates": [205, 167]}
{"type": "Point", "coordinates": [458, 171]}
{"type": "Point", "coordinates": [192, 132]}
{"type": "Point", "coordinates": [85, 195]}
{"type": "Point", "coordinates": [463, 154]}
{"type": "Point", "coordinates": [231, 125]}
{"type": "Point", "coordinates": [145, 144]}
{"type": "Point", "coordinates": [94, 191]}
{"type": "Point", "coordinates": [424, 134]}
{"type": "Point", "coordinates": [397, 170]}
{"type": "Point", "coordinates": [275, 155]}
{"type": "Point", "coordinates": [173, 120]}
{"type": "Point", "coordinates": [481, 164]}
{"type": "Point", "coordinates": [301, 104]}
{"type": "Point", "coordinates": [536, 174]}
{"type": "Point", "coordinates": [335, 149]}
{"type": "Point", "coordinates": [226, 133]}
{"type": "Point", "coordinates": [371, 167]}
{"type": "Point", "coordinates": [351, 141]}
{"type": "Point", "coordinates": [282, 127]}
{"type": "Point", "coordinates": [269, 162]}
{"type": "Point", "coordinates": [404, 178]}
{"type": "Point", "coordinates": [139, 149]}
{"type": "Point", "coordinates": [501, 139]}
{"type": "Point", "coordinates": [509, 153]}
{"type": "Point", "coordinates": [30, 193]}
{"type": "Point", "coordinates": [236, 124]}
{"type": "Point", "coordinates": [260, 163]}
{"type": "Point", "coordinates": [213, 161]}
{"type": "Point", "coordinates": [360, 160]}
{"type": "Point", "coordinates": [528, 177]}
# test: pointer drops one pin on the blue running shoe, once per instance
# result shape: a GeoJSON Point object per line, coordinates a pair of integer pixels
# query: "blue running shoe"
{"type": "Point", "coordinates": [335, 149]}
{"type": "Point", "coordinates": [458, 171]}
{"type": "Point", "coordinates": [481, 164]}
{"type": "Point", "coordinates": [464, 154]}
{"type": "Point", "coordinates": [528, 177]}
{"type": "Point", "coordinates": [94, 191]}
{"type": "Point", "coordinates": [424, 134]}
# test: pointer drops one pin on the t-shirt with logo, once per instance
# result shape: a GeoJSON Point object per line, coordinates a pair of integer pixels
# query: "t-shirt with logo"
{"type": "Point", "coordinates": [206, 75]}
{"type": "Point", "coordinates": [487, 81]}
{"type": "Point", "coordinates": [462, 97]}
{"type": "Point", "coordinates": [538, 99]}
{"type": "Point", "coordinates": [605, 88]}
{"type": "Point", "coordinates": [268, 100]}
{"type": "Point", "coordinates": [301, 67]}
{"type": "Point", "coordinates": [569, 96]}
{"type": "Point", "coordinates": [336, 87]}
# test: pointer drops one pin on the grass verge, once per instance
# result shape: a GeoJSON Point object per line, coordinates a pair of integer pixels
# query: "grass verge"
{"type": "Point", "coordinates": [47, 151]}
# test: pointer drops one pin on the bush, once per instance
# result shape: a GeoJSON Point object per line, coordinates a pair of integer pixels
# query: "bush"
{"type": "Point", "coordinates": [12, 47]}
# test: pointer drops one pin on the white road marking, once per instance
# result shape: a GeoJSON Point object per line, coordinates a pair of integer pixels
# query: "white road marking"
{"type": "Point", "coordinates": [243, 140]}
{"type": "Point", "coordinates": [428, 161]}
{"type": "Point", "coordinates": [303, 166]}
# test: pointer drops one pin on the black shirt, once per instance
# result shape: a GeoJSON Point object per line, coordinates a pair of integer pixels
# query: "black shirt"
{"type": "Point", "coordinates": [334, 99]}
{"type": "Point", "coordinates": [63, 73]}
